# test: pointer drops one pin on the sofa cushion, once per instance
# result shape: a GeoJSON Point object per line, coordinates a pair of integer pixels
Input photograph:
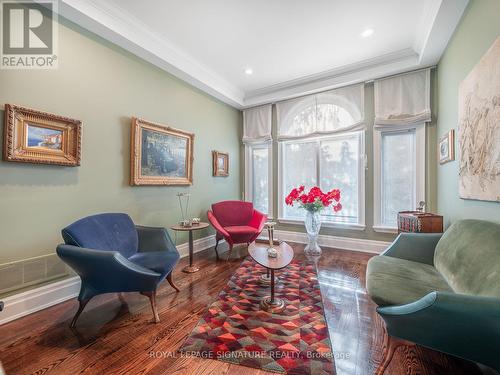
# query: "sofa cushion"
{"type": "Point", "coordinates": [159, 261]}
{"type": "Point", "coordinates": [395, 281]}
{"type": "Point", "coordinates": [110, 231]}
{"type": "Point", "coordinates": [468, 257]}
{"type": "Point", "coordinates": [241, 233]}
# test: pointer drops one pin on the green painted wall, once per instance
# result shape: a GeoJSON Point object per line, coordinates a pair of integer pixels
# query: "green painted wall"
{"type": "Point", "coordinates": [476, 32]}
{"type": "Point", "coordinates": [104, 86]}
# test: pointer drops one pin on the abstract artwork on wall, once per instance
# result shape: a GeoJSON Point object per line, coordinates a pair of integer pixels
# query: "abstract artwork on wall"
{"type": "Point", "coordinates": [479, 129]}
{"type": "Point", "coordinates": [160, 155]}
{"type": "Point", "coordinates": [41, 138]}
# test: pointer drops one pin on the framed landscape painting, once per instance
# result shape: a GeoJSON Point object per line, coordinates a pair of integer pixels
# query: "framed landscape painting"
{"type": "Point", "coordinates": [36, 137]}
{"type": "Point", "coordinates": [160, 155]}
{"type": "Point", "coordinates": [220, 162]}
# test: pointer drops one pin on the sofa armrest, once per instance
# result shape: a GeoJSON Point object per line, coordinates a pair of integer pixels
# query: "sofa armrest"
{"type": "Point", "coordinates": [107, 271]}
{"type": "Point", "coordinates": [217, 226]}
{"type": "Point", "coordinates": [154, 239]}
{"type": "Point", "coordinates": [258, 220]}
{"type": "Point", "coordinates": [416, 247]}
{"type": "Point", "coordinates": [462, 325]}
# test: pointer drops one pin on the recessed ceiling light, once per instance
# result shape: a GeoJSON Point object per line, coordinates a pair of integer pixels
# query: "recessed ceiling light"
{"type": "Point", "coordinates": [248, 71]}
{"type": "Point", "coordinates": [367, 33]}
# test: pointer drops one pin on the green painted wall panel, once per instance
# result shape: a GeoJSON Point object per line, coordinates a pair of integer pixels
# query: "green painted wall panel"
{"type": "Point", "coordinates": [479, 27]}
{"type": "Point", "coordinates": [103, 86]}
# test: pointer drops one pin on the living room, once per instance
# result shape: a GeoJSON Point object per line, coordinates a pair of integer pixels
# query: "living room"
{"type": "Point", "coordinates": [250, 187]}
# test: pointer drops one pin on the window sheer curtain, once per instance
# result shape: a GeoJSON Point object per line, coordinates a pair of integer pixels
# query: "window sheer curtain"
{"type": "Point", "coordinates": [257, 124]}
{"type": "Point", "coordinates": [403, 100]}
{"type": "Point", "coordinates": [324, 113]}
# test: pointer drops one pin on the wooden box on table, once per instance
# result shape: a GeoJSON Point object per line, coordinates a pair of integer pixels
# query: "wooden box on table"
{"type": "Point", "coordinates": [419, 222]}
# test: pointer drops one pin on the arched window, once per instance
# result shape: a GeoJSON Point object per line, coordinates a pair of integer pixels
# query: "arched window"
{"type": "Point", "coordinates": [321, 144]}
{"type": "Point", "coordinates": [323, 113]}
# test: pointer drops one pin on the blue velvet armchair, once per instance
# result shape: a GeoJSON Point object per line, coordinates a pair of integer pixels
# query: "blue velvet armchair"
{"type": "Point", "coordinates": [112, 255]}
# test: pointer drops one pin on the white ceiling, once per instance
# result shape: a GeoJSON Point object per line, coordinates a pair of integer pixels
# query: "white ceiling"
{"type": "Point", "coordinates": [292, 46]}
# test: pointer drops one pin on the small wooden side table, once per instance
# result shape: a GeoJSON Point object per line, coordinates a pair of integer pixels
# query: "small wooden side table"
{"type": "Point", "coordinates": [285, 255]}
{"type": "Point", "coordinates": [191, 268]}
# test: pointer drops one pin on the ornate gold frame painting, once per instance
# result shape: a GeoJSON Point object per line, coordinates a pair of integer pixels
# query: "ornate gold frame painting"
{"type": "Point", "coordinates": [220, 162]}
{"type": "Point", "coordinates": [160, 155]}
{"type": "Point", "coordinates": [36, 137]}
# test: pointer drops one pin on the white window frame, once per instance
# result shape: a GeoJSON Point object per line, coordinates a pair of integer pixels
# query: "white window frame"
{"type": "Point", "coordinates": [361, 181]}
{"type": "Point", "coordinates": [249, 173]}
{"type": "Point", "coordinates": [420, 171]}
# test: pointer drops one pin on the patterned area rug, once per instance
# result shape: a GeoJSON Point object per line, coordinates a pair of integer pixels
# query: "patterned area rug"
{"type": "Point", "coordinates": [236, 330]}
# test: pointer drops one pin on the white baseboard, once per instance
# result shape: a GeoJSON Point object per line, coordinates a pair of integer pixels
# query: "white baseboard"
{"type": "Point", "coordinates": [25, 303]}
{"type": "Point", "coordinates": [336, 242]}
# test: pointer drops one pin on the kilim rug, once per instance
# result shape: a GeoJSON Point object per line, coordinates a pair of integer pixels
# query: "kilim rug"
{"type": "Point", "coordinates": [236, 330]}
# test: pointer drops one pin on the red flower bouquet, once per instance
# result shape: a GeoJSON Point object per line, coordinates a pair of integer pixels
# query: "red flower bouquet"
{"type": "Point", "coordinates": [315, 200]}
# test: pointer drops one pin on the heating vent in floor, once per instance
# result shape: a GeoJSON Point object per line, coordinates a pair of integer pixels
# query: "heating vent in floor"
{"type": "Point", "coordinates": [23, 273]}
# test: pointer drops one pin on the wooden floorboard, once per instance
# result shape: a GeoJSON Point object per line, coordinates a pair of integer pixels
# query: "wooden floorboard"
{"type": "Point", "coordinates": [117, 336]}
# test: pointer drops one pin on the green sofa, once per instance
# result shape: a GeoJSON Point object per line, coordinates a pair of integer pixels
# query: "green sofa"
{"type": "Point", "coordinates": [442, 291]}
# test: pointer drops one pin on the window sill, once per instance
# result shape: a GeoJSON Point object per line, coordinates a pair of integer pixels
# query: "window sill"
{"type": "Point", "coordinates": [385, 229]}
{"type": "Point", "coordinates": [326, 224]}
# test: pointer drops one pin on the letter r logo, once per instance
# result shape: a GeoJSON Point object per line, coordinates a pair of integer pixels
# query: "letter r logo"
{"type": "Point", "coordinates": [27, 28]}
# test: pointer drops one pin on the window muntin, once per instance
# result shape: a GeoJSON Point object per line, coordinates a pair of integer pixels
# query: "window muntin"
{"type": "Point", "coordinates": [332, 161]}
{"type": "Point", "coordinates": [260, 178]}
{"type": "Point", "coordinates": [398, 175]}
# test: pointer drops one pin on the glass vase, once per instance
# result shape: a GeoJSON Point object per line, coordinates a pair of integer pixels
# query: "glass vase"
{"type": "Point", "coordinates": [313, 225]}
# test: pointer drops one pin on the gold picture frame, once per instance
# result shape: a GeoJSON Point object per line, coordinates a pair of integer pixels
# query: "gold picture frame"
{"type": "Point", "coordinates": [220, 164]}
{"type": "Point", "coordinates": [446, 147]}
{"type": "Point", "coordinates": [160, 155]}
{"type": "Point", "coordinates": [36, 137]}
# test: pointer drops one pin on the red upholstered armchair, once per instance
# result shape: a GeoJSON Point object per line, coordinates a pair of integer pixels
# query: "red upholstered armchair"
{"type": "Point", "coordinates": [236, 222]}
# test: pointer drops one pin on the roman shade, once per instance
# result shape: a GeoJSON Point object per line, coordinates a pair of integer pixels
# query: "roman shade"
{"type": "Point", "coordinates": [257, 124]}
{"type": "Point", "coordinates": [324, 113]}
{"type": "Point", "coordinates": [403, 99]}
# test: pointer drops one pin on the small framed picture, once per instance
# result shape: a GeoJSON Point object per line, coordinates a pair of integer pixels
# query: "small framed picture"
{"type": "Point", "coordinates": [220, 164]}
{"type": "Point", "coordinates": [36, 137]}
{"type": "Point", "coordinates": [160, 155]}
{"type": "Point", "coordinates": [447, 147]}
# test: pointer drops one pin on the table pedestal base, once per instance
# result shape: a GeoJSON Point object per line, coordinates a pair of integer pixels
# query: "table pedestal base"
{"type": "Point", "coordinates": [190, 269]}
{"type": "Point", "coordinates": [272, 306]}
{"type": "Point", "coordinates": [266, 280]}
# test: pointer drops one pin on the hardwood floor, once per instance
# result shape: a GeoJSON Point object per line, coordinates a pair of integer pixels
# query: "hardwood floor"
{"type": "Point", "coordinates": [116, 335]}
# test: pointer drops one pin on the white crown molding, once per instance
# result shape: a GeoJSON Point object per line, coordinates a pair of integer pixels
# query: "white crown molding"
{"type": "Point", "coordinates": [25, 303]}
{"type": "Point", "coordinates": [442, 21]}
{"type": "Point", "coordinates": [121, 29]}
{"type": "Point", "coordinates": [366, 70]}
{"type": "Point", "coordinates": [439, 20]}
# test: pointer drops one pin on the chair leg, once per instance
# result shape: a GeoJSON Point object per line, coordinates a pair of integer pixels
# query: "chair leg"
{"type": "Point", "coordinates": [152, 300]}
{"type": "Point", "coordinates": [216, 252]}
{"type": "Point", "coordinates": [171, 282]}
{"type": "Point", "coordinates": [229, 252]}
{"type": "Point", "coordinates": [390, 346]}
{"type": "Point", "coordinates": [83, 303]}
